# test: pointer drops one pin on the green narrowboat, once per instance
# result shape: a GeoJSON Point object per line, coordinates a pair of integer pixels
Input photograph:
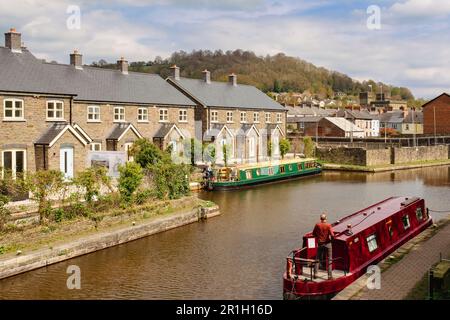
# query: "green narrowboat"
{"type": "Point", "coordinates": [229, 178]}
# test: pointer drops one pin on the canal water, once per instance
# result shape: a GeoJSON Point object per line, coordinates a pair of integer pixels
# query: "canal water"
{"type": "Point", "coordinates": [239, 255]}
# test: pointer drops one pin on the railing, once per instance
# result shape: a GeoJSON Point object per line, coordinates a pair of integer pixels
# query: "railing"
{"type": "Point", "coordinates": [295, 265]}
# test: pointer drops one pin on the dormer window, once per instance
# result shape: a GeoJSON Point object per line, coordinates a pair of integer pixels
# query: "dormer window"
{"type": "Point", "coordinates": [55, 110]}
{"type": "Point", "coordinates": [13, 110]}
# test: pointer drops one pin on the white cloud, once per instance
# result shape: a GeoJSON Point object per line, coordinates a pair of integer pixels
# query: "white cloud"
{"type": "Point", "coordinates": [421, 8]}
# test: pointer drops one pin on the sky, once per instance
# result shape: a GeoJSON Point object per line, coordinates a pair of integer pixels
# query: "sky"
{"type": "Point", "coordinates": [410, 46]}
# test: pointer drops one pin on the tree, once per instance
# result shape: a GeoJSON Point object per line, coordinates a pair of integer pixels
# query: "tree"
{"type": "Point", "coordinates": [285, 146]}
{"type": "Point", "coordinates": [225, 154]}
{"type": "Point", "coordinates": [209, 153]}
{"type": "Point", "coordinates": [308, 147]}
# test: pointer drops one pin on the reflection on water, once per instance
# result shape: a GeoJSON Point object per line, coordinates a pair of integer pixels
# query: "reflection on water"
{"type": "Point", "coordinates": [239, 255]}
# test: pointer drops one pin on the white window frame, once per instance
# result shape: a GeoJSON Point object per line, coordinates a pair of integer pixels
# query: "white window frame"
{"type": "Point", "coordinates": [96, 111]}
{"type": "Point", "coordinates": [268, 117]}
{"type": "Point", "coordinates": [279, 118]}
{"type": "Point", "coordinates": [142, 115]}
{"type": "Point", "coordinates": [14, 161]}
{"type": "Point", "coordinates": [243, 117]}
{"type": "Point", "coordinates": [163, 115]}
{"type": "Point", "coordinates": [214, 116]}
{"type": "Point", "coordinates": [14, 109]}
{"type": "Point", "coordinates": [229, 116]}
{"type": "Point", "coordinates": [122, 113]}
{"type": "Point", "coordinates": [372, 243]}
{"type": "Point", "coordinates": [55, 110]}
{"type": "Point", "coordinates": [94, 144]}
{"type": "Point", "coordinates": [256, 117]}
{"type": "Point", "coordinates": [182, 115]}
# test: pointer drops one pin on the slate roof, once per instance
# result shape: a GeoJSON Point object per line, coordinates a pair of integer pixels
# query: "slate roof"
{"type": "Point", "coordinates": [392, 117]}
{"type": "Point", "coordinates": [118, 130]}
{"type": "Point", "coordinates": [223, 94]}
{"type": "Point", "coordinates": [22, 72]}
{"type": "Point", "coordinates": [304, 119]}
{"type": "Point", "coordinates": [344, 124]}
{"type": "Point", "coordinates": [163, 130]}
{"type": "Point", "coordinates": [356, 114]}
{"type": "Point", "coordinates": [51, 133]}
{"type": "Point", "coordinates": [309, 111]}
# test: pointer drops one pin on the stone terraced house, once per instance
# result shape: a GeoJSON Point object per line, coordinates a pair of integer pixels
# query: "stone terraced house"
{"type": "Point", "coordinates": [240, 116]}
{"type": "Point", "coordinates": [54, 114]}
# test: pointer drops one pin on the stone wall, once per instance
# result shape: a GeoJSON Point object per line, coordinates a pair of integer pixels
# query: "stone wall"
{"type": "Point", "coordinates": [405, 155]}
{"type": "Point", "coordinates": [350, 156]}
{"type": "Point", "coordinates": [379, 157]}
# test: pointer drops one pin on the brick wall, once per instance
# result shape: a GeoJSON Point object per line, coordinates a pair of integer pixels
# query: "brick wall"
{"type": "Point", "coordinates": [439, 111]}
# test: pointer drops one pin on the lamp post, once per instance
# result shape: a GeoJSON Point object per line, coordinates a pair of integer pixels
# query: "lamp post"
{"type": "Point", "coordinates": [414, 128]}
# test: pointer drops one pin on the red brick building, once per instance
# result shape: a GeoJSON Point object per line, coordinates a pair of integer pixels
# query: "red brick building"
{"type": "Point", "coordinates": [436, 115]}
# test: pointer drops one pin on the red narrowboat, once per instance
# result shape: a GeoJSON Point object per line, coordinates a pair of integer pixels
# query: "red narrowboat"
{"type": "Point", "coordinates": [361, 239]}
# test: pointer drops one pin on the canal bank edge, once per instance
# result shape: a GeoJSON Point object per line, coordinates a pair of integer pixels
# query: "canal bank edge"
{"type": "Point", "coordinates": [43, 257]}
{"type": "Point", "coordinates": [354, 168]}
{"type": "Point", "coordinates": [354, 290]}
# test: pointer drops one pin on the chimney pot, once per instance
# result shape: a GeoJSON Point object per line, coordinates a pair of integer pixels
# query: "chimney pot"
{"type": "Point", "coordinates": [76, 60]}
{"type": "Point", "coordinates": [207, 76]}
{"type": "Point", "coordinates": [13, 40]}
{"type": "Point", "coordinates": [122, 64]}
{"type": "Point", "coordinates": [232, 79]}
{"type": "Point", "coordinates": [176, 72]}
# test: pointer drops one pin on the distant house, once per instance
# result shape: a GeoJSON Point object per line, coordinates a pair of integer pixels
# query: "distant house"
{"type": "Point", "coordinates": [436, 115]}
{"type": "Point", "coordinates": [370, 123]}
{"type": "Point", "coordinates": [303, 125]}
{"type": "Point", "coordinates": [333, 127]}
{"type": "Point", "coordinates": [392, 120]}
{"type": "Point", "coordinates": [412, 123]}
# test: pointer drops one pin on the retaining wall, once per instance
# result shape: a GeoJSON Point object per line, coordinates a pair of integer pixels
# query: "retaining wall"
{"type": "Point", "coordinates": [10, 266]}
{"type": "Point", "coordinates": [387, 156]}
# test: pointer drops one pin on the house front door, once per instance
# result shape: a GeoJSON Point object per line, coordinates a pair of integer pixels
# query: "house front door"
{"type": "Point", "coordinates": [66, 162]}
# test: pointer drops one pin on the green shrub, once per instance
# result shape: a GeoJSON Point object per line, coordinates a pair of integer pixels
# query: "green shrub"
{"type": "Point", "coordinates": [143, 196]}
{"type": "Point", "coordinates": [59, 214]}
{"type": "Point", "coordinates": [171, 180]}
{"type": "Point", "coordinates": [146, 153]}
{"type": "Point", "coordinates": [43, 184]}
{"type": "Point", "coordinates": [4, 212]}
{"type": "Point", "coordinates": [130, 179]}
{"type": "Point", "coordinates": [92, 180]}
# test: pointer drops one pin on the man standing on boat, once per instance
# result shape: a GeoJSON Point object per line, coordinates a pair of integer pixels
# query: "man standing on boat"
{"type": "Point", "coordinates": [324, 234]}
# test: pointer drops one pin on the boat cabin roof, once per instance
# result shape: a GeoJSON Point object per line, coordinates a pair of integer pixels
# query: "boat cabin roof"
{"type": "Point", "coordinates": [370, 216]}
{"type": "Point", "coordinates": [272, 163]}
